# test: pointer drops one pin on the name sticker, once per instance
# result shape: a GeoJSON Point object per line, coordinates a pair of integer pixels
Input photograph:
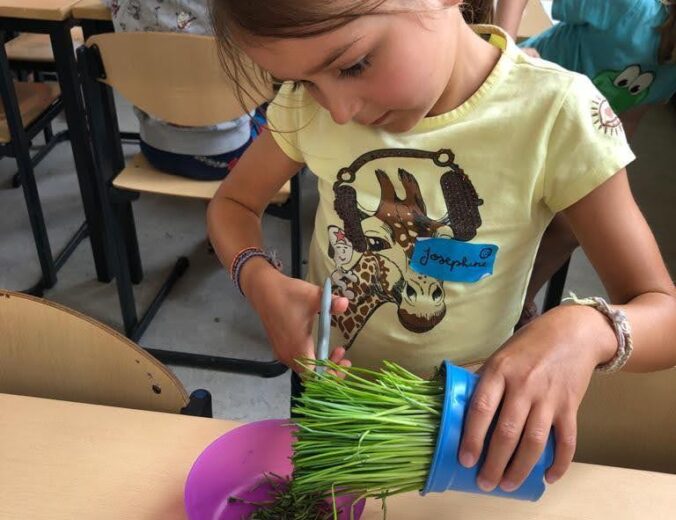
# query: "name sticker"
{"type": "Point", "coordinates": [452, 260]}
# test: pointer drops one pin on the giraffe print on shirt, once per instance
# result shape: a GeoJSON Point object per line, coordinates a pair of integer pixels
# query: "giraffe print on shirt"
{"type": "Point", "coordinates": [371, 252]}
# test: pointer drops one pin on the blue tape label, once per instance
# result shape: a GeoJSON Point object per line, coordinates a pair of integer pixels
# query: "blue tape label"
{"type": "Point", "coordinates": [452, 260]}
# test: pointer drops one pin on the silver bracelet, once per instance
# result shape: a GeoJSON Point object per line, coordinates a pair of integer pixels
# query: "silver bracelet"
{"type": "Point", "coordinates": [622, 328]}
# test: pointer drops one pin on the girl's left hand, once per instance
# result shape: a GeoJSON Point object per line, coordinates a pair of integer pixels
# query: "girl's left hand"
{"type": "Point", "coordinates": [540, 376]}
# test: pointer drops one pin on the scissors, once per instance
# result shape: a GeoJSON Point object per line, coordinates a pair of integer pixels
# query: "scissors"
{"type": "Point", "coordinates": [324, 330]}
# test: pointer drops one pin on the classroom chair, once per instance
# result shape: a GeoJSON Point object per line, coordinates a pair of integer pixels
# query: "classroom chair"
{"type": "Point", "coordinates": [26, 109]}
{"type": "Point", "coordinates": [177, 78]}
{"type": "Point", "coordinates": [32, 52]}
{"type": "Point", "coordinates": [534, 20]}
{"type": "Point", "coordinates": [53, 352]}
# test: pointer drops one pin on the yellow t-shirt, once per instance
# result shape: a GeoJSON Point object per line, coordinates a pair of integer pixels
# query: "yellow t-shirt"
{"type": "Point", "coordinates": [532, 140]}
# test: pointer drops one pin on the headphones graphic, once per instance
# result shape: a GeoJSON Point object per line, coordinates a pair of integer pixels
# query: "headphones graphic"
{"type": "Point", "coordinates": [462, 200]}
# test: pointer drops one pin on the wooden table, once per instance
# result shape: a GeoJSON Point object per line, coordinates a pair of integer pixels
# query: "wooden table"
{"type": "Point", "coordinates": [62, 461]}
{"type": "Point", "coordinates": [94, 17]}
{"type": "Point", "coordinates": [37, 9]}
{"type": "Point", "coordinates": [53, 17]}
{"type": "Point", "coordinates": [91, 10]}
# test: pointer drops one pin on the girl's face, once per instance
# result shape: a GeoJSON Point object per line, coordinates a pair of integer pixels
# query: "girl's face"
{"type": "Point", "coordinates": [383, 70]}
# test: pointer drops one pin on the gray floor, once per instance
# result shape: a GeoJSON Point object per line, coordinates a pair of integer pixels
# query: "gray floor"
{"type": "Point", "coordinates": [204, 313]}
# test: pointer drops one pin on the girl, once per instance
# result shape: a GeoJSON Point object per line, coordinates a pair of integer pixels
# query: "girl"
{"type": "Point", "coordinates": [442, 153]}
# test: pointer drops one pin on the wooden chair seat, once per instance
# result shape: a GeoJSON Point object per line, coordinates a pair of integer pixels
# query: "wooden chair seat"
{"type": "Point", "coordinates": [91, 10]}
{"type": "Point", "coordinates": [37, 48]}
{"type": "Point", "coordinates": [139, 175]}
{"type": "Point", "coordinates": [53, 352]}
{"type": "Point", "coordinates": [34, 99]}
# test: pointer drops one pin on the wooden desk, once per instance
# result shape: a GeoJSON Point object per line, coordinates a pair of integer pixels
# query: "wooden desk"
{"type": "Point", "coordinates": [91, 10]}
{"type": "Point", "coordinates": [61, 461]}
{"type": "Point", "coordinates": [37, 9]}
{"type": "Point", "coordinates": [586, 492]}
{"type": "Point", "coordinates": [66, 461]}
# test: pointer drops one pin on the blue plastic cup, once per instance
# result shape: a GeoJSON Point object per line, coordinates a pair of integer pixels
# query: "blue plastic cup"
{"type": "Point", "coordinates": [446, 472]}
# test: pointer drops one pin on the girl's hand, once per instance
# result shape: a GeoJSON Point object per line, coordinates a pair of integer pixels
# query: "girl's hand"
{"type": "Point", "coordinates": [288, 308]}
{"type": "Point", "coordinates": [540, 376]}
{"type": "Point", "coordinates": [338, 357]}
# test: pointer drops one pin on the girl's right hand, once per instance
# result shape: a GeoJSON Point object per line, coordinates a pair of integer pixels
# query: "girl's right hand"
{"type": "Point", "coordinates": [288, 308]}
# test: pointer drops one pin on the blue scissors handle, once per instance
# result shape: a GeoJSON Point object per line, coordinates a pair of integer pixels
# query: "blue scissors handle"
{"type": "Point", "coordinates": [324, 330]}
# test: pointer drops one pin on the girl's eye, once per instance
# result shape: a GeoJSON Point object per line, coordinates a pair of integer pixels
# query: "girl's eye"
{"type": "Point", "coordinates": [356, 69]}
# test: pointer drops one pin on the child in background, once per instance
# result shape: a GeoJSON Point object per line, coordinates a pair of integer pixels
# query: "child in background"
{"type": "Point", "coordinates": [202, 153]}
{"type": "Point", "coordinates": [442, 153]}
{"type": "Point", "coordinates": [628, 49]}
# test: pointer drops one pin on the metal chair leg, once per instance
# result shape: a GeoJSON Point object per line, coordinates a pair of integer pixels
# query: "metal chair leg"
{"type": "Point", "coordinates": [125, 217]}
{"type": "Point", "coordinates": [30, 191]}
{"type": "Point", "coordinates": [555, 287]}
{"type": "Point", "coordinates": [199, 405]}
{"type": "Point", "coordinates": [296, 232]}
{"type": "Point", "coordinates": [79, 133]}
{"type": "Point", "coordinates": [178, 270]}
{"type": "Point", "coordinates": [48, 133]}
{"type": "Point", "coordinates": [42, 153]}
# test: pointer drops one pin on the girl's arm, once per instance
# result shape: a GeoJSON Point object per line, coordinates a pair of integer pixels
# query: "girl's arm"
{"type": "Point", "coordinates": [234, 213]}
{"type": "Point", "coordinates": [542, 373]}
{"type": "Point", "coordinates": [508, 15]}
{"type": "Point", "coordinates": [618, 242]}
{"type": "Point", "coordinates": [287, 307]}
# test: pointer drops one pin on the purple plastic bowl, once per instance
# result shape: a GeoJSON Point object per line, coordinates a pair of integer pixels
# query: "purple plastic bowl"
{"type": "Point", "coordinates": [235, 464]}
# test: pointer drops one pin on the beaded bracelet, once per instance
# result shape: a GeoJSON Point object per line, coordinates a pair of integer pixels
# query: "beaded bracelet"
{"type": "Point", "coordinates": [622, 328]}
{"type": "Point", "coordinates": [237, 257]}
{"type": "Point", "coordinates": [244, 256]}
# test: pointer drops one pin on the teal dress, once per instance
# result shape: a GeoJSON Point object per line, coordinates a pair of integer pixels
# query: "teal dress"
{"type": "Point", "coordinates": [613, 42]}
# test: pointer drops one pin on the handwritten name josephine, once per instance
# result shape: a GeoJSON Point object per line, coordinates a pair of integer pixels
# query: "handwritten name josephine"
{"type": "Point", "coordinates": [452, 263]}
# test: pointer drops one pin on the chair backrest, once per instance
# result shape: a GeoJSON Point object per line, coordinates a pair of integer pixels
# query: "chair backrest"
{"type": "Point", "coordinates": [535, 20]}
{"type": "Point", "coordinates": [629, 420]}
{"type": "Point", "coordinates": [175, 77]}
{"type": "Point", "coordinates": [47, 350]}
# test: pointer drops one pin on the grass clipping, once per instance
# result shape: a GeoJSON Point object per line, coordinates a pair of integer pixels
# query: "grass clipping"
{"type": "Point", "coordinates": [368, 434]}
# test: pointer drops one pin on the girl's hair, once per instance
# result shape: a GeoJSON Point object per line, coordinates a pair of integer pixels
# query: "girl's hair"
{"type": "Point", "coordinates": [667, 50]}
{"type": "Point", "coordinates": [295, 19]}
{"type": "Point", "coordinates": [478, 11]}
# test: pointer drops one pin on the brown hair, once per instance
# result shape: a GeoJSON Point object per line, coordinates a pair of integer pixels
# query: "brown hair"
{"type": "Point", "coordinates": [667, 50]}
{"type": "Point", "coordinates": [296, 19]}
{"type": "Point", "coordinates": [478, 11]}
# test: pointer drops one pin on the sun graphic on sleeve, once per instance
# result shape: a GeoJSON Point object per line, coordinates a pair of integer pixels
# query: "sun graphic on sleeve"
{"type": "Point", "coordinates": [605, 118]}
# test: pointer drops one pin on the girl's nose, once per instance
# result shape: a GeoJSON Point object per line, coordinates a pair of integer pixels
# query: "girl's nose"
{"type": "Point", "coordinates": [342, 107]}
